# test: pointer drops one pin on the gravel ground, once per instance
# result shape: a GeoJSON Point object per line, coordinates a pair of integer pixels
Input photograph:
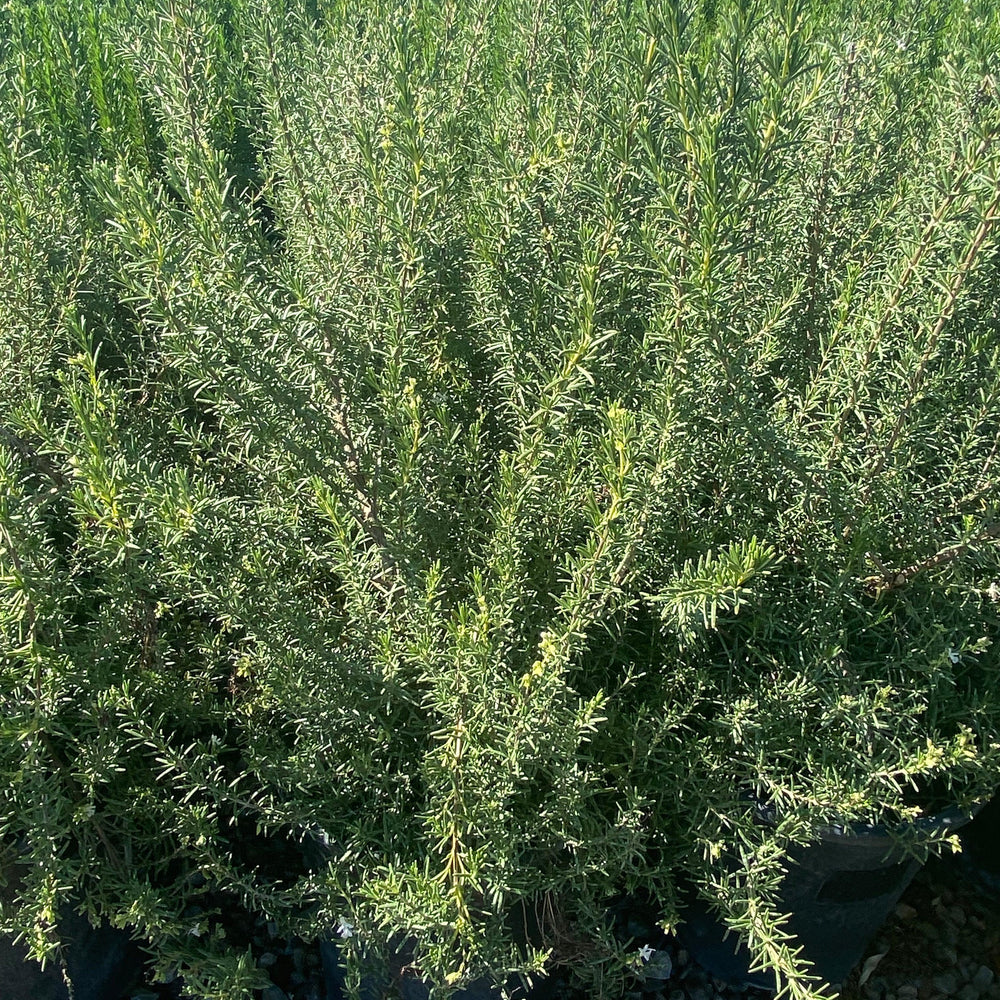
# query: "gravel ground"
{"type": "Point", "coordinates": [942, 942]}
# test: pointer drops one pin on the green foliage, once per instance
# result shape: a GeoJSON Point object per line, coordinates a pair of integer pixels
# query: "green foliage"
{"type": "Point", "coordinates": [490, 439]}
{"type": "Point", "coordinates": [717, 581]}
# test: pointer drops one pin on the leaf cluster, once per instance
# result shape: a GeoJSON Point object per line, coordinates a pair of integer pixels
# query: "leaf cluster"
{"type": "Point", "coordinates": [498, 442]}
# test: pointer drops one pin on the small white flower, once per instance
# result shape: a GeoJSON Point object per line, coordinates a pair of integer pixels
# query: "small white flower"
{"type": "Point", "coordinates": [953, 656]}
{"type": "Point", "coordinates": [344, 927]}
{"type": "Point", "coordinates": [196, 930]}
{"type": "Point", "coordinates": [993, 592]}
{"type": "Point", "coordinates": [645, 952]}
{"type": "Point", "coordinates": [901, 44]}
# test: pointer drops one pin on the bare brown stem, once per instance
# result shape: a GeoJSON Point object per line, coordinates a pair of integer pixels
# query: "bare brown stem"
{"type": "Point", "coordinates": [888, 580]}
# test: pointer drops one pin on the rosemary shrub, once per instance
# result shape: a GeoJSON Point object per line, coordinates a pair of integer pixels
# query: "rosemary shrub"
{"type": "Point", "coordinates": [499, 440]}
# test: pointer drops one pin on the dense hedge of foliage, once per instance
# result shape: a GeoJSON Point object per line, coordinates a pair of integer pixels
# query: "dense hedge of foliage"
{"type": "Point", "coordinates": [499, 440]}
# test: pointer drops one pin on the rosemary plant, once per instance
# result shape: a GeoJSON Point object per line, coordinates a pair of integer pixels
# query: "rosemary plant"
{"type": "Point", "coordinates": [499, 440]}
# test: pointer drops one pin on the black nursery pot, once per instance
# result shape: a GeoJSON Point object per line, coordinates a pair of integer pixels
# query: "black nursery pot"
{"type": "Point", "coordinates": [980, 856]}
{"type": "Point", "coordinates": [102, 962]}
{"type": "Point", "coordinates": [838, 893]}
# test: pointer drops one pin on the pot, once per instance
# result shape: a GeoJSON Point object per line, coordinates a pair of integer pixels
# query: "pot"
{"type": "Point", "coordinates": [980, 857]}
{"type": "Point", "coordinates": [838, 892]}
{"type": "Point", "coordinates": [101, 962]}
